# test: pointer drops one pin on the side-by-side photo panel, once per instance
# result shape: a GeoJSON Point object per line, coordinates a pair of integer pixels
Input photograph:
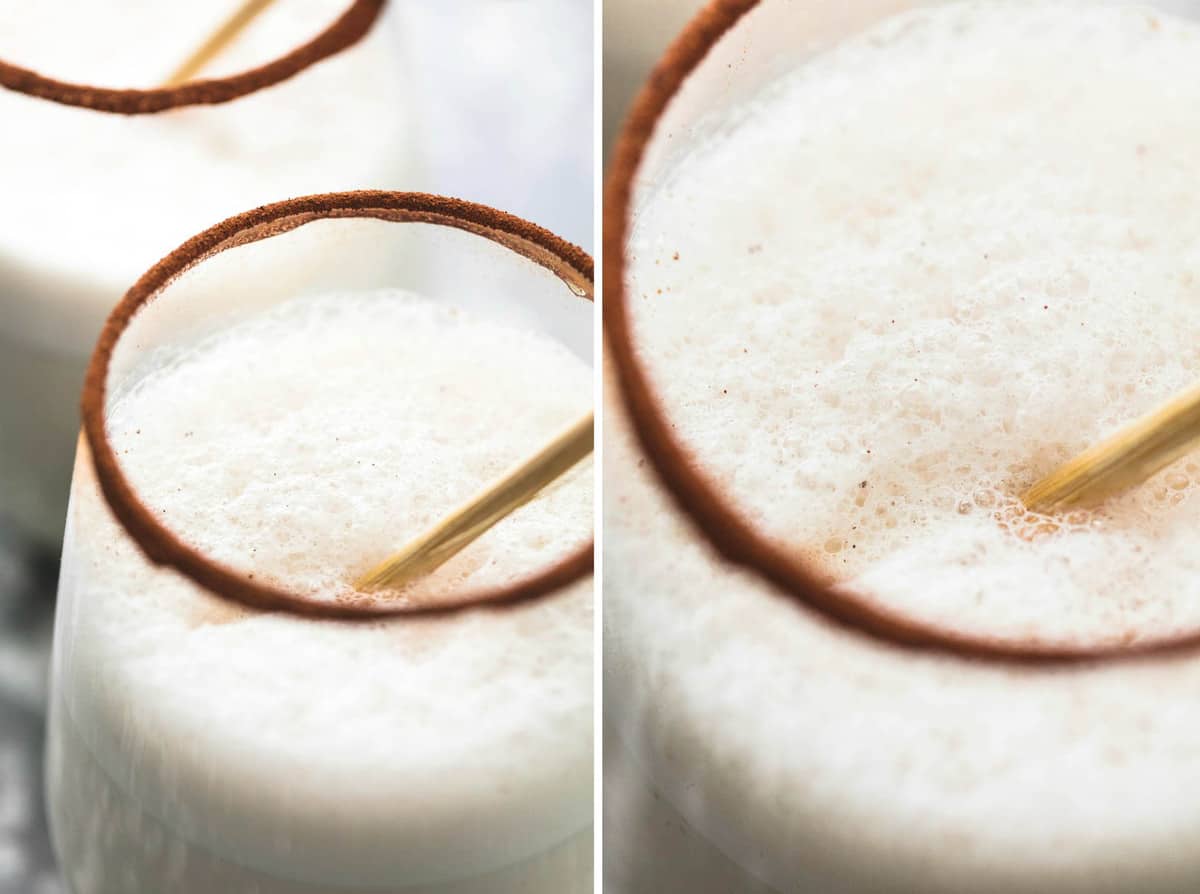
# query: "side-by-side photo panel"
{"type": "Point", "coordinates": [900, 315]}
{"type": "Point", "coordinates": [297, 488]}
{"type": "Point", "coordinates": [302, 495]}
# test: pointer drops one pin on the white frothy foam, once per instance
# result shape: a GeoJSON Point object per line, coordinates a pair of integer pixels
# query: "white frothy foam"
{"type": "Point", "coordinates": [916, 274]}
{"type": "Point", "coordinates": [360, 421]}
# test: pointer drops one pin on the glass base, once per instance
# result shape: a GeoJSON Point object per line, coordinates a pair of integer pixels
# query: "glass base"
{"type": "Point", "coordinates": [108, 844]}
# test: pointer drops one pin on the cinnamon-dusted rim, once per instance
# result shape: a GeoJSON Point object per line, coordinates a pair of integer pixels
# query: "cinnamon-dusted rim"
{"type": "Point", "coordinates": [678, 468]}
{"type": "Point", "coordinates": [347, 30]}
{"type": "Point", "coordinates": [161, 545]}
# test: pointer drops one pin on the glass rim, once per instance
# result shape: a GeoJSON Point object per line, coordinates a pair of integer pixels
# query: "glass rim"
{"type": "Point", "coordinates": [342, 33]}
{"type": "Point", "coordinates": [163, 547]}
{"type": "Point", "coordinates": [678, 469]}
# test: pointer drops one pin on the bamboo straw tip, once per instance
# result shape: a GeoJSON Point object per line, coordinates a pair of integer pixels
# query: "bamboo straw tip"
{"type": "Point", "coordinates": [507, 494]}
{"type": "Point", "coordinates": [217, 42]}
{"type": "Point", "coordinates": [383, 576]}
{"type": "Point", "coordinates": [1040, 498]}
{"type": "Point", "coordinates": [1126, 459]}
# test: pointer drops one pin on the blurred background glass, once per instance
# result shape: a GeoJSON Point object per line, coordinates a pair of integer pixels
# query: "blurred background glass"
{"type": "Point", "coordinates": [502, 100]}
{"type": "Point", "coordinates": [635, 35]}
{"type": "Point", "coordinates": [504, 97]}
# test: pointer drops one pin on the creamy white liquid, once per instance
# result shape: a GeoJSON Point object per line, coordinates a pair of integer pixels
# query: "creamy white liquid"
{"type": "Point", "coordinates": [197, 746]}
{"type": "Point", "coordinates": [880, 299]}
{"type": "Point", "coordinates": [91, 200]}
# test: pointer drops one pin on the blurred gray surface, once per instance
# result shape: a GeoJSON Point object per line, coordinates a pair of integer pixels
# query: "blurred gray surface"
{"type": "Point", "coordinates": [636, 33]}
{"type": "Point", "coordinates": [26, 609]}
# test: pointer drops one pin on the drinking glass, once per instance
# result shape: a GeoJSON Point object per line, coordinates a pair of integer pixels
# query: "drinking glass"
{"type": "Point", "coordinates": [216, 730]}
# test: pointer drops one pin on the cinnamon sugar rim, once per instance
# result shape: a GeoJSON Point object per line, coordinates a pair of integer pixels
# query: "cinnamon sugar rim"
{"type": "Point", "coordinates": [348, 29]}
{"type": "Point", "coordinates": [161, 545]}
{"type": "Point", "coordinates": [678, 468]}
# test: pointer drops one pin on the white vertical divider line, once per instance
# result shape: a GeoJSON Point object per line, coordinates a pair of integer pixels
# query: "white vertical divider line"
{"type": "Point", "coordinates": [598, 453]}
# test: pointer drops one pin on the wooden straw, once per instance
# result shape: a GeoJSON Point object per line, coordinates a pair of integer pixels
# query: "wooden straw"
{"type": "Point", "coordinates": [1127, 458]}
{"type": "Point", "coordinates": [221, 38]}
{"type": "Point", "coordinates": [464, 525]}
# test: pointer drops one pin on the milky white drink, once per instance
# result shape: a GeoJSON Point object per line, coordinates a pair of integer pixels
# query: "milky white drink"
{"type": "Point", "coordinates": [196, 746]}
{"type": "Point", "coordinates": [92, 199]}
{"type": "Point", "coordinates": [882, 297]}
